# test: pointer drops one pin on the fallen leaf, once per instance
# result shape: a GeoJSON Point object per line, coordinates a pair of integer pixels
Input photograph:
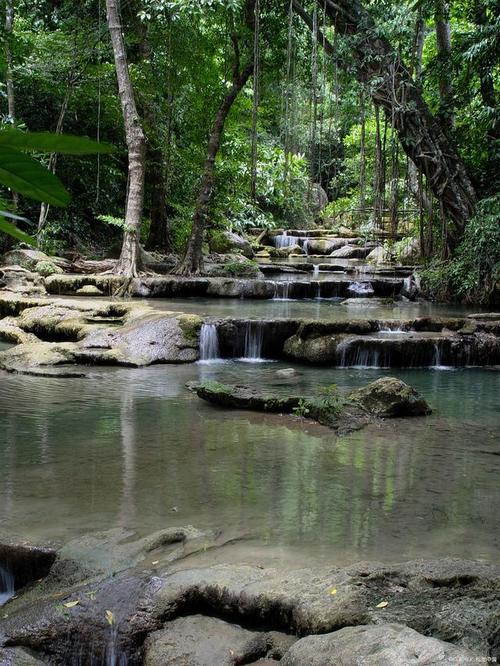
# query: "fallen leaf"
{"type": "Point", "coordinates": [71, 604]}
{"type": "Point", "coordinates": [333, 590]}
{"type": "Point", "coordinates": [110, 617]}
{"type": "Point", "coordinates": [382, 604]}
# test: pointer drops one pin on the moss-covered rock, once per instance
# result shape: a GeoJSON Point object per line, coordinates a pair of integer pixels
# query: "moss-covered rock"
{"type": "Point", "coordinates": [390, 397]}
{"type": "Point", "coordinates": [46, 268]}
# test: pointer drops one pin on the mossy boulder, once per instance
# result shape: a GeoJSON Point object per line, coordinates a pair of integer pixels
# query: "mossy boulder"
{"type": "Point", "coordinates": [224, 242]}
{"type": "Point", "coordinates": [89, 290]}
{"type": "Point", "coordinates": [46, 268]}
{"type": "Point", "coordinates": [390, 397]}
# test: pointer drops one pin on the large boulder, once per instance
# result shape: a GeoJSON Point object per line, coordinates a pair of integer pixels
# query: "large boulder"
{"type": "Point", "coordinates": [225, 242]}
{"type": "Point", "coordinates": [317, 199]}
{"type": "Point", "coordinates": [409, 250]}
{"type": "Point", "coordinates": [376, 645]}
{"type": "Point", "coordinates": [379, 255]}
{"type": "Point", "coordinates": [29, 258]}
{"type": "Point", "coordinates": [198, 640]}
{"type": "Point", "coordinates": [324, 245]}
{"type": "Point", "coordinates": [388, 396]}
{"type": "Point", "coordinates": [351, 252]}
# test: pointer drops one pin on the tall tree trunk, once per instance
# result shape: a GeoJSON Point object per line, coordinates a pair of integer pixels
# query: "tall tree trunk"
{"type": "Point", "coordinates": [9, 77]}
{"type": "Point", "coordinates": [362, 152]}
{"type": "Point", "coordinates": [421, 137]}
{"type": "Point", "coordinates": [379, 180]}
{"type": "Point", "coordinates": [192, 263]}
{"type": "Point", "coordinates": [129, 263]}
{"type": "Point", "coordinates": [443, 40]}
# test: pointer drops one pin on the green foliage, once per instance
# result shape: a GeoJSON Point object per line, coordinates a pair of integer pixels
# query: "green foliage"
{"type": "Point", "coordinates": [332, 400]}
{"type": "Point", "coordinates": [473, 273]}
{"type": "Point", "coordinates": [302, 410]}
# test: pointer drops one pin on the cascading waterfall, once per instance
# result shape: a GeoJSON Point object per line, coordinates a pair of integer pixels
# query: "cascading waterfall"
{"type": "Point", "coordinates": [254, 336]}
{"type": "Point", "coordinates": [281, 291]}
{"type": "Point", "coordinates": [436, 358]}
{"type": "Point", "coordinates": [284, 240]}
{"type": "Point", "coordinates": [7, 589]}
{"type": "Point", "coordinates": [315, 268]}
{"type": "Point", "coordinates": [209, 344]}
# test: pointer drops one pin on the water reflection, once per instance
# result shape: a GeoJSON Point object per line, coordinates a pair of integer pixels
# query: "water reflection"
{"type": "Point", "coordinates": [134, 448]}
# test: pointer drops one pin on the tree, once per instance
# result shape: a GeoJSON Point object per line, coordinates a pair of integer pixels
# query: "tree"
{"type": "Point", "coordinates": [129, 263]}
{"type": "Point", "coordinates": [393, 89]}
{"type": "Point", "coordinates": [192, 263]}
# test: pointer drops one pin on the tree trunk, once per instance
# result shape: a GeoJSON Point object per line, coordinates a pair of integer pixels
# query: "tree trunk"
{"type": "Point", "coordinates": [378, 183]}
{"type": "Point", "coordinates": [421, 137]}
{"type": "Point", "coordinates": [362, 152]}
{"type": "Point", "coordinates": [192, 263]}
{"type": "Point", "coordinates": [443, 40]}
{"type": "Point", "coordinates": [129, 263]}
{"type": "Point", "coordinates": [9, 77]}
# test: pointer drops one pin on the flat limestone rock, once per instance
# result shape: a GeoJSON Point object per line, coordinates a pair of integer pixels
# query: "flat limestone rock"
{"type": "Point", "coordinates": [199, 640]}
{"type": "Point", "coordinates": [376, 645]}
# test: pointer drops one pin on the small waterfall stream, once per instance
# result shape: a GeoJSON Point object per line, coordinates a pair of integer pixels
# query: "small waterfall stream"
{"type": "Point", "coordinates": [254, 337]}
{"type": "Point", "coordinates": [284, 240]}
{"type": "Point", "coordinates": [209, 344]}
{"type": "Point", "coordinates": [281, 291]}
{"type": "Point", "coordinates": [7, 589]}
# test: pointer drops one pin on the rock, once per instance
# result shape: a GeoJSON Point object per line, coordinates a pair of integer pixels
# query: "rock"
{"type": "Point", "coordinates": [89, 290]}
{"type": "Point", "coordinates": [389, 397]}
{"type": "Point", "coordinates": [409, 250]}
{"type": "Point", "coordinates": [491, 316]}
{"type": "Point", "coordinates": [19, 280]}
{"type": "Point", "coordinates": [351, 252]}
{"type": "Point", "coordinates": [46, 268]}
{"type": "Point", "coordinates": [324, 245]}
{"type": "Point", "coordinates": [380, 645]}
{"type": "Point", "coordinates": [366, 302]}
{"type": "Point", "coordinates": [18, 657]}
{"type": "Point", "coordinates": [243, 397]}
{"type": "Point", "coordinates": [286, 372]}
{"type": "Point", "coordinates": [198, 640]}
{"type": "Point", "coordinates": [225, 241]}
{"type": "Point", "coordinates": [379, 255]}
{"type": "Point", "coordinates": [29, 258]}
{"type": "Point", "coordinates": [317, 199]}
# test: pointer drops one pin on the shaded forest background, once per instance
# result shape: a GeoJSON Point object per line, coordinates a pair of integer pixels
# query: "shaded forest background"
{"type": "Point", "coordinates": [305, 115]}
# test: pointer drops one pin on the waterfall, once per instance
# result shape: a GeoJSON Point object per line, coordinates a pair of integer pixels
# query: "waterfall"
{"type": "Point", "coordinates": [209, 343]}
{"type": "Point", "coordinates": [315, 268]}
{"type": "Point", "coordinates": [361, 288]}
{"type": "Point", "coordinates": [305, 247]}
{"type": "Point", "coordinates": [7, 589]}
{"type": "Point", "coordinates": [284, 240]}
{"type": "Point", "coordinates": [281, 291]}
{"type": "Point", "coordinates": [318, 290]}
{"type": "Point", "coordinates": [349, 355]}
{"type": "Point", "coordinates": [436, 356]}
{"type": "Point", "coordinates": [254, 336]}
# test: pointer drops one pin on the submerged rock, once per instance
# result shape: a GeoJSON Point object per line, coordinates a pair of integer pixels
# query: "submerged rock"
{"type": "Point", "coordinates": [381, 645]}
{"type": "Point", "coordinates": [390, 397]}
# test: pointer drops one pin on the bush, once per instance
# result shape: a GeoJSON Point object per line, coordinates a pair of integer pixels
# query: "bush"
{"type": "Point", "coordinates": [473, 273]}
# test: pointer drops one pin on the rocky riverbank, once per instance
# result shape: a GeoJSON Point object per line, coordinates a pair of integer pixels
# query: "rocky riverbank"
{"type": "Point", "coordinates": [147, 601]}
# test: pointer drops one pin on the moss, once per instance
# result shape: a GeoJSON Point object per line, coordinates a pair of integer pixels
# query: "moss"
{"type": "Point", "coordinates": [190, 325]}
{"type": "Point", "coordinates": [47, 268]}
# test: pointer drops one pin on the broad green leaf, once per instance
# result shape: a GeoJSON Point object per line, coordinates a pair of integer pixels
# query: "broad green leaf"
{"type": "Point", "coordinates": [28, 177]}
{"type": "Point", "coordinates": [48, 142]}
{"type": "Point", "coordinates": [13, 231]}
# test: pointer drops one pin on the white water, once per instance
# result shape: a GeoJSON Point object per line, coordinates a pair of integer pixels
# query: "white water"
{"type": "Point", "coordinates": [254, 336]}
{"type": "Point", "coordinates": [209, 344]}
{"type": "Point", "coordinates": [284, 240]}
{"type": "Point", "coordinates": [7, 589]}
{"type": "Point", "coordinates": [361, 288]}
{"type": "Point", "coordinates": [316, 267]}
{"type": "Point", "coordinates": [281, 291]}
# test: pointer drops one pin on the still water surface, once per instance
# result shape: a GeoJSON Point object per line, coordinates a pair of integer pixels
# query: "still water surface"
{"type": "Point", "coordinates": [134, 448]}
